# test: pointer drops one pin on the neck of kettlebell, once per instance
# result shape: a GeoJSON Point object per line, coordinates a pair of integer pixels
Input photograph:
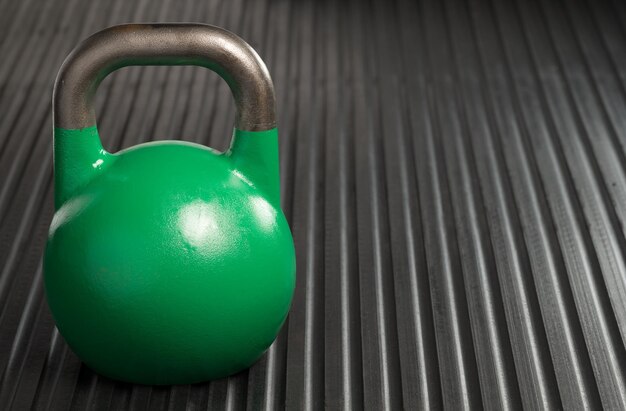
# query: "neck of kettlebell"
{"type": "Point", "coordinates": [255, 155]}
{"type": "Point", "coordinates": [78, 158]}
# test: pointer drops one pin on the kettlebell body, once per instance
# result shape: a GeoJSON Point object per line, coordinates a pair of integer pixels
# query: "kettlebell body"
{"type": "Point", "coordinates": [168, 262]}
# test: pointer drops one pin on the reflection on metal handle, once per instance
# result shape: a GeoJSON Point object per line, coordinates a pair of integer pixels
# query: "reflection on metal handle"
{"type": "Point", "coordinates": [164, 44]}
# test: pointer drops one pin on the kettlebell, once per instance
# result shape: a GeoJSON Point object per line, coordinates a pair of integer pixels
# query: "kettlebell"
{"type": "Point", "coordinates": [167, 262]}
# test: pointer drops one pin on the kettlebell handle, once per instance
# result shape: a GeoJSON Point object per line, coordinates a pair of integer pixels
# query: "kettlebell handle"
{"type": "Point", "coordinates": [164, 44]}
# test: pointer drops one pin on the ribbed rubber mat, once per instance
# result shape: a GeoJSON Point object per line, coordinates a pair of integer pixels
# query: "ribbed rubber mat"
{"type": "Point", "coordinates": [453, 172]}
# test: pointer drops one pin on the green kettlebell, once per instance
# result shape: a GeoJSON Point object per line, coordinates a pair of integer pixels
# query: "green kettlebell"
{"type": "Point", "coordinates": [168, 262]}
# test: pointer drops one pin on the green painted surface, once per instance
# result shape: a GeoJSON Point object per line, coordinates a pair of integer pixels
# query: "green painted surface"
{"type": "Point", "coordinates": [78, 158]}
{"type": "Point", "coordinates": [168, 263]}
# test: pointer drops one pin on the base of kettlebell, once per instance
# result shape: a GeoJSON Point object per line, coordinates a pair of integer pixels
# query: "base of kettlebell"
{"type": "Point", "coordinates": [168, 380]}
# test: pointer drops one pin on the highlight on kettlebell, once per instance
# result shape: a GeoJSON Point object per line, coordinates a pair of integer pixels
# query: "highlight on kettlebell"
{"type": "Point", "coordinates": [167, 262]}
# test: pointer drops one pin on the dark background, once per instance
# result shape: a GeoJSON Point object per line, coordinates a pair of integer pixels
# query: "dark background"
{"type": "Point", "coordinates": [453, 173]}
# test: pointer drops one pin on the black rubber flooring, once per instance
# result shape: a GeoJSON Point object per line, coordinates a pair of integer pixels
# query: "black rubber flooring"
{"type": "Point", "coordinates": [453, 172]}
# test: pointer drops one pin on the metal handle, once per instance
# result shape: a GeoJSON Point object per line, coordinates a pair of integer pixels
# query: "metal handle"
{"type": "Point", "coordinates": [164, 44]}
